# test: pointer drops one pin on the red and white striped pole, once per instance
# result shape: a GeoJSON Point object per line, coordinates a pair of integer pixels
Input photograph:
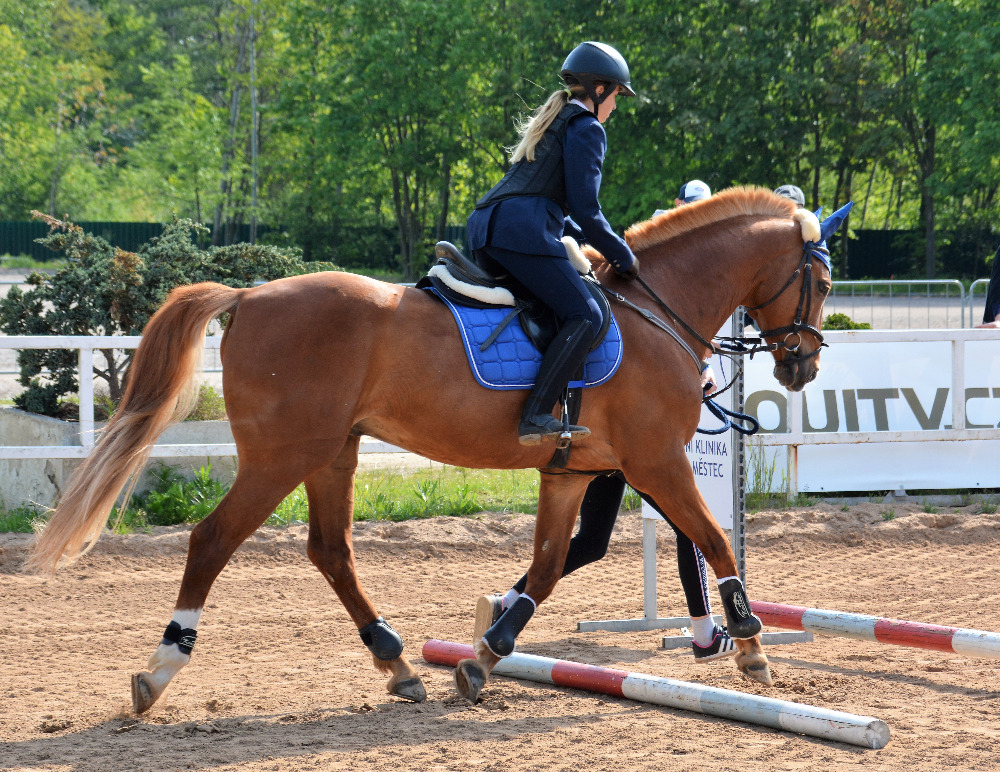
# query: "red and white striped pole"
{"type": "Point", "coordinates": [834, 725]}
{"type": "Point", "coordinates": [968, 643]}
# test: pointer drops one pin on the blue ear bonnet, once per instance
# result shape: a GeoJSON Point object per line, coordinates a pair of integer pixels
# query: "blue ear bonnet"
{"type": "Point", "coordinates": [827, 228]}
{"type": "Point", "coordinates": [831, 224]}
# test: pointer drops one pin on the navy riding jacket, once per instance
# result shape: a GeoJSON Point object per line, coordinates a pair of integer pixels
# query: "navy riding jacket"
{"type": "Point", "coordinates": [534, 225]}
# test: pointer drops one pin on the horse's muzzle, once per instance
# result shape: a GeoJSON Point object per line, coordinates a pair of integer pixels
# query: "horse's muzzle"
{"type": "Point", "coordinates": [795, 371]}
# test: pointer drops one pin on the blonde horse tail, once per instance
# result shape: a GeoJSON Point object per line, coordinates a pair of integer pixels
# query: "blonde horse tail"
{"type": "Point", "coordinates": [160, 391]}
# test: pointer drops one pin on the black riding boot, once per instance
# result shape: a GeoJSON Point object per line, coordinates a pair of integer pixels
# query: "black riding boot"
{"type": "Point", "coordinates": [562, 359]}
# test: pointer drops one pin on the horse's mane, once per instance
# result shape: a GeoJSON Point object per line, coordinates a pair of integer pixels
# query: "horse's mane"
{"type": "Point", "coordinates": [728, 203]}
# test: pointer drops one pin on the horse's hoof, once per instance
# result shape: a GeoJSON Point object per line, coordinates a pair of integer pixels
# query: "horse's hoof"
{"type": "Point", "coordinates": [755, 667]}
{"type": "Point", "coordinates": [142, 693]}
{"type": "Point", "coordinates": [470, 678]}
{"type": "Point", "coordinates": [411, 689]}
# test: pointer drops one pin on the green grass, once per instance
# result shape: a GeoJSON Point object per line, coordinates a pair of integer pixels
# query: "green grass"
{"type": "Point", "coordinates": [632, 500]}
{"type": "Point", "coordinates": [392, 495]}
{"type": "Point", "coordinates": [23, 262]}
{"type": "Point", "coordinates": [988, 506]}
{"type": "Point", "coordinates": [19, 519]}
{"type": "Point", "coordinates": [761, 490]}
{"type": "Point", "coordinates": [378, 495]}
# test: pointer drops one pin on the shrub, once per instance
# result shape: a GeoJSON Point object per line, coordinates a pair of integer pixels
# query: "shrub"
{"type": "Point", "coordinates": [843, 322]}
{"type": "Point", "coordinates": [103, 290]}
{"type": "Point", "coordinates": [210, 406]}
{"type": "Point", "coordinates": [174, 500]}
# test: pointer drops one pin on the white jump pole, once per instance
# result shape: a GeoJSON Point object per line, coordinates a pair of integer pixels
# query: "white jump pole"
{"type": "Point", "coordinates": [835, 725]}
{"type": "Point", "coordinates": [916, 635]}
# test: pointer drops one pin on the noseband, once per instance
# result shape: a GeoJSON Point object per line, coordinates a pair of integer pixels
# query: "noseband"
{"type": "Point", "coordinates": [795, 329]}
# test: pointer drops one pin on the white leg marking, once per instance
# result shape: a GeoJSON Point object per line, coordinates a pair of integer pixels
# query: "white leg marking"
{"type": "Point", "coordinates": [167, 660]}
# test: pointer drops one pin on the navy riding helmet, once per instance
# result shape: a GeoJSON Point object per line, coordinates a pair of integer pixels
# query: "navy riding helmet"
{"type": "Point", "coordinates": [591, 63]}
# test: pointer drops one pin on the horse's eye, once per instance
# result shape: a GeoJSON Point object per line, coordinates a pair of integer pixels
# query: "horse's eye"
{"type": "Point", "coordinates": [824, 288]}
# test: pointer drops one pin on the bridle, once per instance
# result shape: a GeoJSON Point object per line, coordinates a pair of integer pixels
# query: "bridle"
{"type": "Point", "coordinates": [741, 346]}
{"type": "Point", "coordinates": [809, 252]}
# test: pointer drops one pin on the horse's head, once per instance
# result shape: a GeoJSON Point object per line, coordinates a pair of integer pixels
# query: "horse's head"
{"type": "Point", "coordinates": [791, 315]}
{"type": "Point", "coordinates": [744, 246]}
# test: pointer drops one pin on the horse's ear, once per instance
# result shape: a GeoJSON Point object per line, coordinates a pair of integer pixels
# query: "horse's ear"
{"type": "Point", "coordinates": [831, 224]}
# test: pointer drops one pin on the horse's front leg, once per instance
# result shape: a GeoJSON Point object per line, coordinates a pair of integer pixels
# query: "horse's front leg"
{"type": "Point", "coordinates": [331, 515]}
{"type": "Point", "coordinates": [672, 486]}
{"type": "Point", "coordinates": [559, 500]}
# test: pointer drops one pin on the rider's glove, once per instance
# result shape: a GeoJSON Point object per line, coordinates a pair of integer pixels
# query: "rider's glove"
{"type": "Point", "coordinates": [632, 271]}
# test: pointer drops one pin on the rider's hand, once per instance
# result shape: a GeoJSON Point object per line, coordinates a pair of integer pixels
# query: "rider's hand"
{"type": "Point", "coordinates": [632, 271]}
{"type": "Point", "coordinates": [708, 384]}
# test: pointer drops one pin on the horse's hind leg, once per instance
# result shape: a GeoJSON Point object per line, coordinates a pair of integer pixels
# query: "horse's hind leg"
{"type": "Point", "coordinates": [331, 516]}
{"type": "Point", "coordinates": [257, 490]}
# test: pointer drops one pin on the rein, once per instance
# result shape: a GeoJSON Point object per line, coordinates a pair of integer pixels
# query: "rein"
{"type": "Point", "coordinates": [655, 320]}
{"type": "Point", "coordinates": [742, 345]}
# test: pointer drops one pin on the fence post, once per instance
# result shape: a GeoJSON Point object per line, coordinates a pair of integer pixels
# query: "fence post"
{"type": "Point", "coordinates": [958, 379]}
{"type": "Point", "coordinates": [86, 377]}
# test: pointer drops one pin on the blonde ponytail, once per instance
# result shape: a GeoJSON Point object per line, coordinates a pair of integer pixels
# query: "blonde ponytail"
{"type": "Point", "coordinates": [532, 130]}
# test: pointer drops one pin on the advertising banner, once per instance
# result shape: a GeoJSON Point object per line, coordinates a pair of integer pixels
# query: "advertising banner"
{"type": "Point", "coordinates": [886, 386]}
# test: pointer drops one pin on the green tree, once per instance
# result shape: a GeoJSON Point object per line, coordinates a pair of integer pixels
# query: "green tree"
{"type": "Point", "coordinates": [401, 75]}
{"type": "Point", "coordinates": [58, 105]}
{"type": "Point", "coordinates": [178, 165]}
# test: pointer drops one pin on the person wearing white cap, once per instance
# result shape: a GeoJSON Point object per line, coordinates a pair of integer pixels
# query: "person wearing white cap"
{"type": "Point", "coordinates": [692, 191]}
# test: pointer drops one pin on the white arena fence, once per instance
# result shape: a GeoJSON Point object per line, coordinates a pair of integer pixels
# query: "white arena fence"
{"type": "Point", "coordinates": [874, 388]}
{"type": "Point", "coordinates": [882, 414]}
{"type": "Point", "coordinates": [885, 304]}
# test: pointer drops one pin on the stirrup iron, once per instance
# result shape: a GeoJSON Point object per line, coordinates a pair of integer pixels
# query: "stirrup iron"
{"type": "Point", "coordinates": [566, 437]}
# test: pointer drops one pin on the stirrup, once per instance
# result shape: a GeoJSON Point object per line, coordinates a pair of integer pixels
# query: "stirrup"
{"type": "Point", "coordinates": [532, 431]}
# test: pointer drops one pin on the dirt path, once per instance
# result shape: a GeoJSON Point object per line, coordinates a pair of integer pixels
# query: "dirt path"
{"type": "Point", "coordinates": [280, 680]}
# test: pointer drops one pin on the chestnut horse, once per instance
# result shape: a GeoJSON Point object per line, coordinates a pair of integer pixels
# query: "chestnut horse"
{"type": "Point", "coordinates": [312, 363]}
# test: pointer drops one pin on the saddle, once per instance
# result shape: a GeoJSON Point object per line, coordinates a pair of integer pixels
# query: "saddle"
{"type": "Point", "coordinates": [503, 355]}
{"type": "Point", "coordinates": [465, 283]}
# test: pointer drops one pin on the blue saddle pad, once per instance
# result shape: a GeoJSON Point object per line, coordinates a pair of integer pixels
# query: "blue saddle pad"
{"type": "Point", "coordinates": [512, 361]}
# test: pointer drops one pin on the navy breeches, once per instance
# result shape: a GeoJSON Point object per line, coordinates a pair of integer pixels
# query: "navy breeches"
{"type": "Point", "coordinates": [553, 280]}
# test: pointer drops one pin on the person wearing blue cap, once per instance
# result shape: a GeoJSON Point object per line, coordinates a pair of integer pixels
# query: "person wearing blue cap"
{"type": "Point", "coordinates": [598, 514]}
{"type": "Point", "coordinates": [551, 191]}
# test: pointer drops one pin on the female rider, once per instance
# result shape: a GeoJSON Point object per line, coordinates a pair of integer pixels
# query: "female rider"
{"type": "Point", "coordinates": [518, 225]}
